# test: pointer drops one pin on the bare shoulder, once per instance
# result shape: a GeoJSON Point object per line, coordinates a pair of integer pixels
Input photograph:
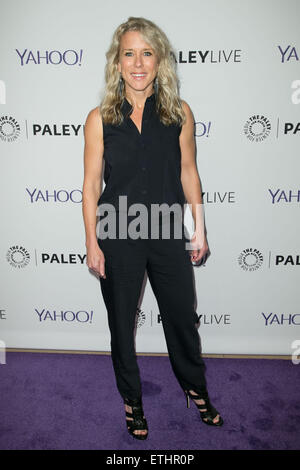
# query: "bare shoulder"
{"type": "Point", "coordinates": [187, 110]}
{"type": "Point", "coordinates": [93, 123]}
{"type": "Point", "coordinates": [187, 131]}
{"type": "Point", "coordinates": [94, 113]}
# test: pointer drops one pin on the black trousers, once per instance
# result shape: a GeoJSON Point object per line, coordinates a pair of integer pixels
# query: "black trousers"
{"type": "Point", "coordinates": [170, 273]}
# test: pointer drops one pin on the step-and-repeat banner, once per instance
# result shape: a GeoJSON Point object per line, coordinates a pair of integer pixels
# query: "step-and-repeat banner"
{"type": "Point", "coordinates": [238, 65]}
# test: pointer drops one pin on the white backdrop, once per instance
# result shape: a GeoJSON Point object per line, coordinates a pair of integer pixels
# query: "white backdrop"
{"type": "Point", "coordinates": [238, 64]}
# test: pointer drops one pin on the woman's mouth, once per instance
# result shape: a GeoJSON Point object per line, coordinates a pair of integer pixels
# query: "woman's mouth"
{"type": "Point", "coordinates": [138, 76]}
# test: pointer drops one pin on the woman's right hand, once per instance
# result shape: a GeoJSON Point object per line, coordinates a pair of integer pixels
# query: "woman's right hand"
{"type": "Point", "coordinates": [95, 260]}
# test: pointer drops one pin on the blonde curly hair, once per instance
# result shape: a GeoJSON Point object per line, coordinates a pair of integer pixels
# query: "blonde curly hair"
{"type": "Point", "coordinates": [168, 103]}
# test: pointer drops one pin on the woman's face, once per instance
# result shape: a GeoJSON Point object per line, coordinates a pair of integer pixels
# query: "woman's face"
{"type": "Point", "coordinates": [138, 63]}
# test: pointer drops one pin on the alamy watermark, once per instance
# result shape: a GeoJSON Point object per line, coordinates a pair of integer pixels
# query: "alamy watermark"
{"type": "Point", "coordinates": [160, 216]}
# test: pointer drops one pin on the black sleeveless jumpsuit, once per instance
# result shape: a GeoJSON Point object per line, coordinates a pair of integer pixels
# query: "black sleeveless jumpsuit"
{"type": "Point", "coordinates": [146, 168]}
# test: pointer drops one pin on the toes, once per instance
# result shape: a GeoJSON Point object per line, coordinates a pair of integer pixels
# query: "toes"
{"type": "Point", "coordinates": [215, 420]}
{"type": "Point", "coordinates": [140, 432]}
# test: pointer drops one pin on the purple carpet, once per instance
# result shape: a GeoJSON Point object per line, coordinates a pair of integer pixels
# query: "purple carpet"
{"type": "Point", "coordinates": [70, 401]}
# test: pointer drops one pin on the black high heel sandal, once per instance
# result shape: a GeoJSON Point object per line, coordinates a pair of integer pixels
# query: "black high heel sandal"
{"type": "Point", "coordinates": [210, 412]}
{"type": "Point", "coordinates": [139, 422]}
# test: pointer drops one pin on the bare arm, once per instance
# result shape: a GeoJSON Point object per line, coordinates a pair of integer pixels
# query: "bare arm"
{"type": "Point", "coordinates": [189, 174]}
{"type": "Point", "coordinates": [93, 161]}
{"type": "Point", "coordinates": [190, 179]}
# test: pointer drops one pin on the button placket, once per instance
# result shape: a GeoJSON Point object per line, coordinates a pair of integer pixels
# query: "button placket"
{"type": "Point", "coordinates": [144, 182]}
{"type": "Point", "coordinates": [144, 189]}
{"type": "Point", "coordinates": [143, 154]}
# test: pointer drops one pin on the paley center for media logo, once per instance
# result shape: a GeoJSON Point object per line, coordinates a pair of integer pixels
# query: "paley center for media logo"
{"type": "Point", "coordinates": [10, 129]}
{"type": "Point", "coordinates": [208, 56]}
{"type": "Point", "coordinates": [258, 127]}
{"type": "Point", "coordinates": [251, 259]}
{"type": "Point", "coordinates": [19, 257]}
{"type": "Point", "coordinates": [140, 317]}
{"type": "Point", "coordinates": [153, 319]}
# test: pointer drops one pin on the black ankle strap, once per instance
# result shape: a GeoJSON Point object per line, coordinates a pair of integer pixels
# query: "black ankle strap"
{"type": "Point", "coordinates": [133, 401]}
{"type": "Point", "coordinates": [198, 395]}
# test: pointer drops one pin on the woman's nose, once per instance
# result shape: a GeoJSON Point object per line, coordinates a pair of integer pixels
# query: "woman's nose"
{"type": "Point", "coordinates": [138, 60]}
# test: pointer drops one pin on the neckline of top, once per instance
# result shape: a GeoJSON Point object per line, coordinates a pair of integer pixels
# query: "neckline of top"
{"type": "Point", "coordinates": [149, 98]}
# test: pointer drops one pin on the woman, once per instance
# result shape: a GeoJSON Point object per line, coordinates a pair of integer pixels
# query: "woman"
{"type": "Point", "coordinates": [145, 134]}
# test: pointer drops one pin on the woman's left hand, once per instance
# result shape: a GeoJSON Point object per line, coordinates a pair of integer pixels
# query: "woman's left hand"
{"type": "Point", "coordinates": [200, 247]}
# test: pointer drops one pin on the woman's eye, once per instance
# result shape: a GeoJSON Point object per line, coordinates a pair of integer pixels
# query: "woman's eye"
{"type": "Point", "coordinates": [128, 54]}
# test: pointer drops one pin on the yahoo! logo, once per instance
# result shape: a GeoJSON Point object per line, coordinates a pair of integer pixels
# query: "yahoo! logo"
{"type": "Point", "coordinates": [61, 195]}
{"type": "Point", "coordinates": [288, 54]}
{"type": "Point", "coordinates": [281, 319]}
{"type": "Point", "coordinates": [68, 57]}
{"type": "Point", "coordinates": [202, 129]}
{"type": "Point", "coordinates": [286, 196]}
{"type": "Point", "coordinates": [81, 316]}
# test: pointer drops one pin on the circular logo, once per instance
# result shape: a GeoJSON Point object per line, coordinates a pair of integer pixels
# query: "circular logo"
{"type": "Point", "coordinates": [9, 129]}
{"type": "Point", "coordinates": [141, 318]}
{"type": "Point", "coordinates": [257, 128]}
{"type": "Point", "coordinates": [250, 259]}
{"type": "Point", "coordinates": [18, 256]}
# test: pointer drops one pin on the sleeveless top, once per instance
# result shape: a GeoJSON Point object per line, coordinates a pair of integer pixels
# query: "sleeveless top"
{"type": "Point", "coordinates": [144, 166]}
